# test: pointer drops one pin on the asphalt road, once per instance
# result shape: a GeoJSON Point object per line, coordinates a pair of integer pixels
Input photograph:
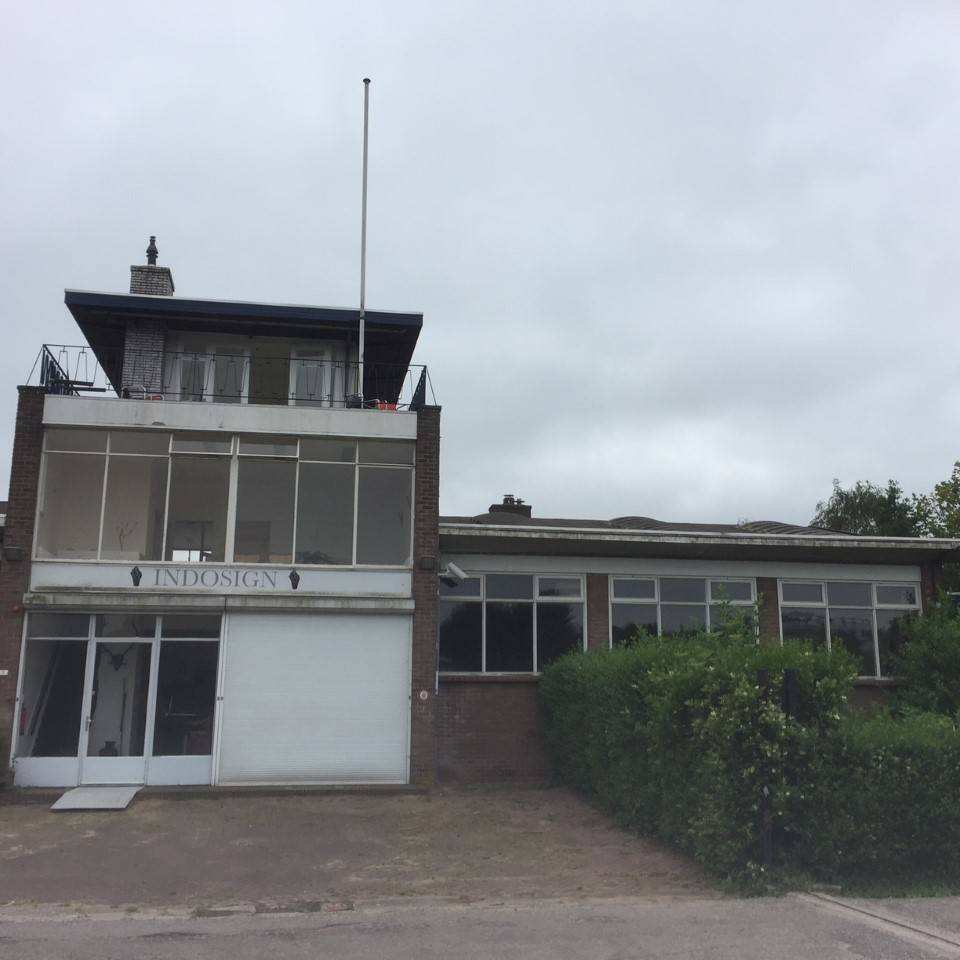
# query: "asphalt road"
{"type": "Point", "coordinates": [792, 928]}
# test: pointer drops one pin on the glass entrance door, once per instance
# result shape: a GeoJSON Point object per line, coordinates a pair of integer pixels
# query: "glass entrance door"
{"type": "Point", "coordinates": [116, 711]}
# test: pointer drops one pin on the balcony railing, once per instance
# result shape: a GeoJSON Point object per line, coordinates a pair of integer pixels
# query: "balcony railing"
{"type": "Point", "coordinates": [304, 379]}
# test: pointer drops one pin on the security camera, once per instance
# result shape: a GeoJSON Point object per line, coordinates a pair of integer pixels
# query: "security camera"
{"type": "Point", "coordinates": [452, 576]}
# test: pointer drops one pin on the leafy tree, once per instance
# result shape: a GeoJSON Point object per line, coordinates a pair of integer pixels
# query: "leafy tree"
{"type": "Point", "coordinates": [939, 511]}
{"type": "Point", "coordinates": [870, 510]}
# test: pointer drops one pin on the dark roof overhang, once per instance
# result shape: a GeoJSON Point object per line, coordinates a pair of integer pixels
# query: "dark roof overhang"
{"type": "Point", "coordinates": [390, 337]}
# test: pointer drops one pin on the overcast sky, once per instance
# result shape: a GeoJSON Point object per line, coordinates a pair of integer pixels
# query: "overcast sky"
{"type": "Point", "coordinates": [685, 260]}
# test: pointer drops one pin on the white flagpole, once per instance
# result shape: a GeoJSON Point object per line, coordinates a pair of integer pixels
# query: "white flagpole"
{"type": "Point", "coordinates": [363, 235]}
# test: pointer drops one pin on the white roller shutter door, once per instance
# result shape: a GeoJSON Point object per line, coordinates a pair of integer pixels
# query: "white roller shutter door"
{"type": "Point", "coordinates": [315, 698]}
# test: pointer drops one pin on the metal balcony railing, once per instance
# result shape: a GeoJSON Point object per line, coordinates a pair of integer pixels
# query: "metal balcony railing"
{"type": "Point", "coordinates": [305, 378]}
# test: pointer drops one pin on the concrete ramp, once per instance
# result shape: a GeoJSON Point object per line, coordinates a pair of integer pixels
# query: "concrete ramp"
{"type": "Point", "coordinates": [96, 798]}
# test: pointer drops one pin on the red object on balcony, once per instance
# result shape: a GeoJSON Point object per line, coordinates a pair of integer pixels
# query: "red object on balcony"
{"type": "Point", "coordinates": [386, 406]}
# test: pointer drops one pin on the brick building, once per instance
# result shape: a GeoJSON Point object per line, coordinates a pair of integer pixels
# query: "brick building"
{"type": "Point", "coordinates": [223, 562]}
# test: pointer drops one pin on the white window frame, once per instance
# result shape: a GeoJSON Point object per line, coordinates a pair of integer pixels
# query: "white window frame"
{"type": "Point", "coordinates": [234, 456]}
{"type": "Point", "coordinates": [657, 600]}
{"type": "Point", "coordinates": [824, 604]}
{"type": "Point", "coordinates": [482, 599]}
{"type": "Point", "coordinates": [207, 355]}
{"type": "Point", "coordinates": [163, 764]}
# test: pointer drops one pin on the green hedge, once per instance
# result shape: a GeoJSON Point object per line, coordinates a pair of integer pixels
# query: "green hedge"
{"type": "Point", "coordinates": [886, 796]}
{"type": "Point", "coordinates": [678, 740]}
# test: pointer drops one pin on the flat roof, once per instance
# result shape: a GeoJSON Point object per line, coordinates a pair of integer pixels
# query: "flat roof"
{"type": "Point", "coordinates": [390, 336]}
{"type": "Point", "coordinates": [513, 535]}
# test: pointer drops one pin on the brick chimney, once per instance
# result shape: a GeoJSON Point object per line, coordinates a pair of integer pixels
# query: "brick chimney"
{"type": "Point", "coordinates": [512, 504]}
{"type": "Point", "coordinates": [149, 278]}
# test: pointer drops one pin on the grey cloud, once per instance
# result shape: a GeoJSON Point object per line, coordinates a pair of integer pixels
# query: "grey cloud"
{"type": "Point", "coordinates": [690, 261]}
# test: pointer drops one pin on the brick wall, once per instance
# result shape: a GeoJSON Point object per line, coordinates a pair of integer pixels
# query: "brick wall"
{"type": "Point", "coordinates": [151, 280]}
{"type": "Point", "coordinates": [18, 546]}
{"type": "Point", "coordinates": [769, 602]}
{"type": "Point", "coordinates": [426, 558]}
{"type": "Point", "coordinates": [489, 730]}
{"type": "Point", "coordinates": [598, 611]}
{"type": "Point", "coordinates": [143, 356]}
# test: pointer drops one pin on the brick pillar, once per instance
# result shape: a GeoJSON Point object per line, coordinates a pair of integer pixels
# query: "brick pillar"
{"type": "Point", "coordinates": [598, 611]}
{"type": "Point", "coordinates": [17, 549]}
{"type": "Point", "coordinates": [769, 603]}
{"type": "Point", "coordinates": [143, 348]}
{"type": "Point", "coordinates": [426, 559]}
{"type": "Point", "coordinates": [931, 573]}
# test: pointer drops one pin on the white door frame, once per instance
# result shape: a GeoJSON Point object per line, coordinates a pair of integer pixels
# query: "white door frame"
{"type": "Point", "coordinates": [116, 769]}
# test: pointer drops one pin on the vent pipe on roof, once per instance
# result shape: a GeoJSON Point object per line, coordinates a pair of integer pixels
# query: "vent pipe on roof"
{"type": "Point", "coordinates": [512, 504]}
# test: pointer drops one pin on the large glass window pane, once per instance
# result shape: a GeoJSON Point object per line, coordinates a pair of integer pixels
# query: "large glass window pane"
{"type": "Point", "coordinates": [559, 587]}
{"type": "Point", "coordinates": [325, 513]}
{"type": "Point", "coordinates": [69, 519]}
{"type": "Point", "coordinates": [509, 637]}
{"type": "Point", "coordinates": [192, 625]}
{"type": "Point", "coordinates": [140, 441]}
{"type": "Point", "coordinates": [629, 618]}
{"type": "Point", "coordinates": [890, 638]}
{"type": "Point", "coordinates": [51, 698]}
{"type": "Point", "coordinates": [125, 625]}
{"type": "Point", "coordinates": [467, 588]}
{"type": "Point", "coordinates": [58, 625]}
{"type": "Point", "coordinates": [186, 691]}
{"type": "Point", "coordinates": [682, 589]}
{"type": "Point", "coordinates": [264, 526]}
{"type": "Point", "coordinates": [509, 586]}
{"type": "Point", "coordinates": [559, 631]}
{"type": "Point", "coordinates": [678, 618]}
{"type": "Point", "coordinates": [386, 451]}
{"type": "Point", "coordinates": [724, 614]}
{"type": "Point", "coordinates": [193, 375]}
{"type": "Point", "coordinates": [383, 516]}
{"type": "Point", "coordinates": [133, 513]}
{"type": "Point", "coordinates": [802, 592]}
{"type": "Point", "coordinates": [202, 443]}
{"type": "Point", "coordinates": [332, 451]}
{"type": "Point", "coordinates": [118, 711]}
{"type": "Point", "coordinates": [461, 639]}
{"type": "Point", "coordinates": [197, 521]}
{"type": "Point", "coordinates": [804, 623]}
{"type": "Point", "coordinates": [92, 441]}
{"type": "Point", "coordinates": [624, 589]}
{"type": "Point", "coordinates": [269, 446]}
{"type": "Point", "coordinates": [854, 629]}
{"type": "Point", "coordinates": [897, 594]}
{"type": "Point", "coordinates": [730, 590]}
{"type": "Point", "coordinates": [849, 594]}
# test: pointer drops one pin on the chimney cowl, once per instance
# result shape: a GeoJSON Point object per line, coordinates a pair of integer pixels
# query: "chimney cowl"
{"type": "Point", "coordinates": [512, 504]}
{"type": "Point", "coordinates": [148, 279]}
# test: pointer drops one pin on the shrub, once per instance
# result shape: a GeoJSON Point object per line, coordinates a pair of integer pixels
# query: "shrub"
{"type": "Point", "coordinates": [676, 737]}
{"type": "Point", "coordinates": [887, 796]}
{"type": "Point", "coordinates": [929, 662]}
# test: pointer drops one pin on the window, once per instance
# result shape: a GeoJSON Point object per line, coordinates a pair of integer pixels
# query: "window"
{"type": "Point", "coordinates": [864, 617]}
{"type": "Point", "coordinates": [265, 507]}
{"type": "Point", "coordinates": [673, 605]}
{"type": "Point", "coordinates": [197, 517]}
{"type": "Point", "coordinates": [193, 497]}
{"type": "Point", "coordinates": [509, 623]}
{"type": "Point", "coordinates": [180, 650]}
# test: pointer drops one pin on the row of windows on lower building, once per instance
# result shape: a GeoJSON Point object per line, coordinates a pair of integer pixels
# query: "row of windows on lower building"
{"type": "Point", "coordinates": [518, 623]}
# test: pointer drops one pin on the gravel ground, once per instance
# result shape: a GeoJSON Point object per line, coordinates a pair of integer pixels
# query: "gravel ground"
{"type": "Point", "coordinates": [458, 846]}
